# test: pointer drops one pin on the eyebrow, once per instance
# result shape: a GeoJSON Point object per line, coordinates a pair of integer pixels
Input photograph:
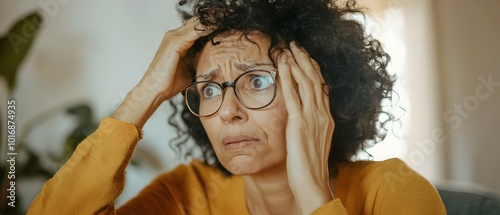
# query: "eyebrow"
{"type": "Point", "coordinates": [242, 67]}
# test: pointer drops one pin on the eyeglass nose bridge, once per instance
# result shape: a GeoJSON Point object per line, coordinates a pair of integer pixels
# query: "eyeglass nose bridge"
{"type": "Point", "coordinates": [224, 86]}
{"type": "Point", "coordinates": [227, 84]}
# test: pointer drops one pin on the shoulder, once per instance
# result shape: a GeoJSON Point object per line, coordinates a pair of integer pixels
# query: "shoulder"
{"type": "Point", "coordinates": [391, 186]}
{"type": "Point", "coordinates": [390, 173]}
{"type": "Point", "coordinates": [395, 176]}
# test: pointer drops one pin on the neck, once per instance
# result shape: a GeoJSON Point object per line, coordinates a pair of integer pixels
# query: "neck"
{"type": "Point", "coordinates": [268, 192]}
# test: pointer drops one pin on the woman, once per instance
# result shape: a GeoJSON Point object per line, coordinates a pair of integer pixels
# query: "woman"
{"type": "Point", "coordinates": [263, 82]}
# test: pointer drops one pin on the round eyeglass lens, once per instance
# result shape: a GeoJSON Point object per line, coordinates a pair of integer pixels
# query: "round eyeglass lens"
{"type": "Point", "coordinates": [204, 98]}
{"type": "Point", "coordinates": [255, 89]}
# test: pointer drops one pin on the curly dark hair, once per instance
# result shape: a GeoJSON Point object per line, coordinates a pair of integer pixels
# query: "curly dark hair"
{"type": "Point", "coordinates": [353, 64]}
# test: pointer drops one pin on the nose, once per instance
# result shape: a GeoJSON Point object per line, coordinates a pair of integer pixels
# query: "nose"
{"type": "Point", "coordinates": [231, 110]}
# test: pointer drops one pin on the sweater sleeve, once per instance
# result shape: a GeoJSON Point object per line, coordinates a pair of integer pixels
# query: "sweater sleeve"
{"type": "Point", "coordinates": [164, 195]}
{"type": "Point", "coordinates": [333, 207]}
{"type": "Point", "coordinates": [94, 175]}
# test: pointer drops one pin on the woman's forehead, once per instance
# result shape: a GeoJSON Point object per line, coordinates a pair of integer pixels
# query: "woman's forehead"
{"type": "Point", "coordinates": [235, 49]}
{"type": "Point", "coordinates": [238, 40]}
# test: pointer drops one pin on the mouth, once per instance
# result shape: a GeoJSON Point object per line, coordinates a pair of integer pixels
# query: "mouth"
{"type": "Point", "coordinates": [238, 142]}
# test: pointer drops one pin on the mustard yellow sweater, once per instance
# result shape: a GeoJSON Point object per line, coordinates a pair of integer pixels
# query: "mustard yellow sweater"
{"type": "Point", "coordinates": [95, 175]}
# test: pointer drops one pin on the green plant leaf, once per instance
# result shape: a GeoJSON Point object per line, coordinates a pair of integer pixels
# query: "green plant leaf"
{"type": "Point", "coordinates": [15, 45]}
{"type": "Point", "coordinates": [86, 125]}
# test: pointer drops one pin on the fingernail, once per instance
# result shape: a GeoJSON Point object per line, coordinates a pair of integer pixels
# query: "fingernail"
{"type": "Point", "coordinates": [293, 44]}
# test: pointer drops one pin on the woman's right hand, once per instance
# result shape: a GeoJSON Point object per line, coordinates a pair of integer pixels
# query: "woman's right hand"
{"type": "Point", "coordinates": [165, 77]}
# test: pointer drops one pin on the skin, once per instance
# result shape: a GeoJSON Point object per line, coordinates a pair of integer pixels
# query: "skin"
{"type": "Point", "coordinates": [268, 166]}
{"type": "Point", "coordinates": [164, 78]}
{"type": "Point", "coordinates": [263, 160]}
{"type": "Point", "coordinates": [284, 158]}
{"type": "Point", "coordinates": [309, 129]}
{"type": "Point", "coordinates": [267, 147]}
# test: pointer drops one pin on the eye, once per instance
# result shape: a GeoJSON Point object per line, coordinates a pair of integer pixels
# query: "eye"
{"type": "Point", "coordinates": [210, 91]}
{"type": "Point", "coordinates": [260, 82]}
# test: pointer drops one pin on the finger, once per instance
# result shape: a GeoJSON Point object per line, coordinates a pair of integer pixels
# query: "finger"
{"type": "Point", "coordinates": [290, 95]}
{"type": "Point", "coordinates": [312, 71]}
{"type": "Point", "coordinates": [192, 29]}
{"type": "Point", "coordinates": [183, 37]}
{"type": "Point", "coordinates": [305, 85]}
{"type": "Point", "coordinates": [177, 42]}
{"type": "Point", "coordinates": [306, 63]}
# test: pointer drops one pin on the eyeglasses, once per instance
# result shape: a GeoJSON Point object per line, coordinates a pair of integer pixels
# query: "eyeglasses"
{"type": "Point", "coordinates": [254, 89]}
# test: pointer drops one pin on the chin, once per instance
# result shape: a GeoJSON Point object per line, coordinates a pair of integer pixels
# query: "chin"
{"type": "Point", "coordinates": [242, 165]}
{"type": "Point", "coordinates": [249, 165]}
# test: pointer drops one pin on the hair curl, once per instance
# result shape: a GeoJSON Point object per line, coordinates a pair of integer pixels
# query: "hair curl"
{"type": "Point", "coordinates": [353, 64]}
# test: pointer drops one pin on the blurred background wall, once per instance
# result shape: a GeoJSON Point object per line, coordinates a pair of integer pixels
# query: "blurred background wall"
{"type": "Point", "coordinates": [446, 54]}
{"type": "Point", "coordinates": [467, 38]}
{"type": "Point", "coordinates": [452, 78]}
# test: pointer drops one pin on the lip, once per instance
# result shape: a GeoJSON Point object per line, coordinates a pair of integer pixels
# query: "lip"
{"type": "Point", "coordinates": [238, 142]}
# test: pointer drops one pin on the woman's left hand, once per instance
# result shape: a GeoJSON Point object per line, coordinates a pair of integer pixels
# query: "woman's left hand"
{"type": "Point", "coordinates": [309, 128]}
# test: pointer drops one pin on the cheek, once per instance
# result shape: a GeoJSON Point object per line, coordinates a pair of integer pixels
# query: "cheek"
{"type": "Point", "coordinates": [209, 124]}
{"type": "Point", "coordinates": [275, 120]}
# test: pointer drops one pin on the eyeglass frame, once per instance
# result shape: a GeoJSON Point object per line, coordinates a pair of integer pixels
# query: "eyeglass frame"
{"type": "Point", "coordinates": [232, 84]}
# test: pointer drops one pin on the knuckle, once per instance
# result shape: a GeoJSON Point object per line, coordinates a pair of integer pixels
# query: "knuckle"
{"type": "Point", "coordinates": [315, 77]}
{"type": "Point", "coordinates": [323, 121]}
{"type": "Point", "coordinates": [307, 83]}
{"type": "Point", "coordinates": [315, 64]}
{"type": "Point", "coordinates": [300, 56]}
{"type": "Point", "coordinates": [170, 34]}
{"type": "Point", "coordinates": [331, 121]}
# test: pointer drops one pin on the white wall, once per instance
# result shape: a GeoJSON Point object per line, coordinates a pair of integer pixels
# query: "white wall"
{"type": "Point", "coordinates": [468, 46]}
{"type": "Point", "coordinates": [89, 51]}
{"type": "Point", "coordinates": [425, 146]}
{"type": "Point", "coordinates": [405, 29]}
{"type": "Point", "coordinates": [449, 47]}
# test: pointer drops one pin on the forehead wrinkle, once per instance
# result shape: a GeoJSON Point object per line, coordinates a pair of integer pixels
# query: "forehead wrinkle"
{"type": "Point", "coordinates": [228, 52]}
{"type": "Point", "coordinates": [240, 66]}
{"type": "Point", "coordinates": [251, 65]}
{"type": "Point", "coordinates": [232, 54]}
{"type": "Point", "coordinates": [240, 58]}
